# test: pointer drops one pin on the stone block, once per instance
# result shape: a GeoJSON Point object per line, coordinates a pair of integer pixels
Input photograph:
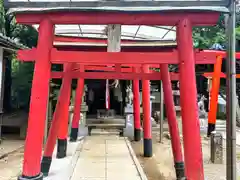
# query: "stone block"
{"type": "Point", "coordinates": [216, 146]}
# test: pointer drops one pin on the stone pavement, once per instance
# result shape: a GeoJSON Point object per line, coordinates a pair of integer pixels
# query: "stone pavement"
{"type": "Point", "coordinates": [9, 146]}
{"type": "Point", "coordinates": [105, 157]}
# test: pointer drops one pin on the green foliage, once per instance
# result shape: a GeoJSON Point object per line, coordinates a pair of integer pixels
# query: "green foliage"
{"type": "Point", "coordinates": [205, 37]}
{"type": "Point", "coordinates": [221, 115]}
{"type": "Point", "coordinates": [238, 32]}
{"type": "Point", "coordinates": [22, 73]}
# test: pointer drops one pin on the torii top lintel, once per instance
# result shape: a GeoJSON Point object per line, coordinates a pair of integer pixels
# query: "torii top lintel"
{"type": "Point", "coordinates": [167, 19]}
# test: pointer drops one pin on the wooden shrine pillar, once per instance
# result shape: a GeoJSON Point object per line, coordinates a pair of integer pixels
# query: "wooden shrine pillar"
{"type": "Point", "coordinates": [172, 121]}
{"type": "Point", "coordinates": [55, 125]}
{"type": "Point", "coordinates": [147, 125]}
{"type": "Point", "coordinates": [113, 45]}
{"type": "Point", "coordinates": [77, 107]}
{"type": "Point", "coordinates": [188, 101]}
{"type": "Point", "coordinates": [214, 95]}
{"type": "Point", "coordinates": [38, 104]}
{"type": "Point", "coordinates": [63, 129]}
{"type": "Point", "coordinates": [136, 108]}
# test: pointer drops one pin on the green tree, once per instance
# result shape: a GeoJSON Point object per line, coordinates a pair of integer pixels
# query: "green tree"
{"type": "Point", "coordinates": [205, 37]}
{"type": "Point", "coordinates": [18, 75]}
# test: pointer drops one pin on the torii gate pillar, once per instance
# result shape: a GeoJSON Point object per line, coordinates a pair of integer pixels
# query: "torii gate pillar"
{"type": "Point", "coordinates": [55, 125]}
{"type": "Point", "coordinates": [77, 108]}
{"type": "Point", "coordinates": [147, 125]}
{"type": "Point", "coordinates": [136, 107]}
{"type": "Point", "coordinates": [172, 121]}
{"type": "Point", "coordinates": [188, 100]}
{"type": "Point", "coordinates": [38, 104]}
{"type": "Point", "coordinates": [63, 130]}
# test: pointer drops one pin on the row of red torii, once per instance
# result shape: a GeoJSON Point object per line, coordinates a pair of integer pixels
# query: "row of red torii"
{"type": "Point", "coordinates": [76, 62]}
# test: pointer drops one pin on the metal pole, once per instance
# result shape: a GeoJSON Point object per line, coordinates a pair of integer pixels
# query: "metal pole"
{"type": "Point", "coordinates": [231, 92]}
{"type": "Point", "coordinates": [161, 112]}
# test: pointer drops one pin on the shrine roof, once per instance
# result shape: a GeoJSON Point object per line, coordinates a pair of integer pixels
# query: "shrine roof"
{"type": "Point", "coordinates": [117, 6]}
{"type": "Point", "coordinates": [128, 32]}
{"type": "Point", "coordinates": [10, 44]}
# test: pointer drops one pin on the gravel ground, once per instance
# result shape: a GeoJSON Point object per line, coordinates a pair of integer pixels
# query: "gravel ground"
{"type": "Point", "coordinates": [160, 166]}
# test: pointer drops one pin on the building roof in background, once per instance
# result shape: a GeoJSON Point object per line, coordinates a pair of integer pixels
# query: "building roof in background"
{"type": "Point", "coordinates": [10, 44]}
{"type": "Point", "coordinates": [115, 5]}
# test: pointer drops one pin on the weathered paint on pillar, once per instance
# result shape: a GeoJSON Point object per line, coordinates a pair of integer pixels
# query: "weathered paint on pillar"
{"type": "Point", "coordinates": [77, 109]}
{"type": "Point", "coordinates": [38, 104]}
{"type": "Point", "coordinates": [172, 121]}
{"type": "Point", "coordinates": [214, 95]}
{"type": "Point", "coordinates": [53, 131]}
{"type": "Point", "coordinates": [63, 130]}
{"type": "Point", "coordinates": [136, 108]}
{"type": "Point", "coordinates": [188, 100]}
{"type": "Point", "coordinates": [147, 127]}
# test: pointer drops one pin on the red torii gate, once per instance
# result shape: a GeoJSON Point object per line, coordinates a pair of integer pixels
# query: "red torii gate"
{"type": "Point", "coordinates": [214, 91]}
{"type": "Point", "coordinates": [45, 54]}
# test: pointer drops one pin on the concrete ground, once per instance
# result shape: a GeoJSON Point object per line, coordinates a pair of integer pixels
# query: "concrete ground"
{"type": "Point", "coordinates": [106, 157]}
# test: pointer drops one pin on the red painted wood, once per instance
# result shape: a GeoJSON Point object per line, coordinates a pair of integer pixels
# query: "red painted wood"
{"type": "Point", "coordinates": [214, 93]}
{"type": "Point", "coordinates": [38, 102]}
{"type": "Point", "coordinates": [171, 114]}
{"type": "Point", "coordinates": [136, 102]}
{"type": "Point", "coordinates": [171, 57]}
{"type": "Point", "coordinates": [114, 75]}
{"type": "Point", "coordinates": [27, 55]}
{"type": "Point", "coordinates": [165, 19]}
{"type": "Point", "coordinates": [63, 130]}
{"type": "Point", "coordinates": [113, 57]}
{"type": "Point", "coordinates": [108, 69]}
{"type": "Point", "coordinates": [147, 129]}
{"type": "Point", "coordinates": [90, 40]}
{"type": "Point", "coordinates": [188, 99]}
{"type": "Point", "coordinates": [222, 75]}
{"type": "Point", "coordinates": [78, 101]}
{"type": "Point", "coordinates": [223, 53]}
{"type": "Point", "coordinates": [134, 48]}
{"type": "Point", "coordinates": [57, 117]}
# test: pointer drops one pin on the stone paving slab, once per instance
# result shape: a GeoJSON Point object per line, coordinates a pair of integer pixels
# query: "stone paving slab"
{"type": "Point", "coordinates": [62, 169]}
{"type": "Point", "coordinates": [105, 157]}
